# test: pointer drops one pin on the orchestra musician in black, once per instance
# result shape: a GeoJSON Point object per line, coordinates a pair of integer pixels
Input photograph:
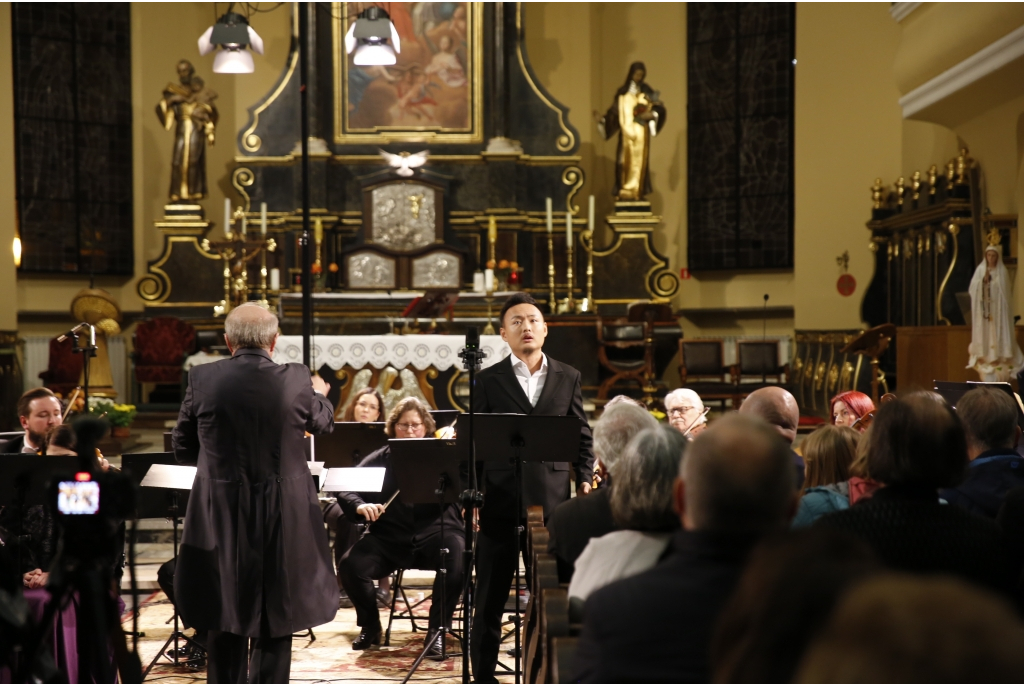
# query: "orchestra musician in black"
{"type": "Point", "coordinates": [525, 382]}
{"type": "Point", "coordinates": [400, 535]}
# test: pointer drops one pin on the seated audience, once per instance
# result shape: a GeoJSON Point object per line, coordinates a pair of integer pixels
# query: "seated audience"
{"type": "Point", "coordinates": [904, 629]}
{"type": "Point", "coordinates": [367, 406]}
{"type": "Point", "coordinates": [686, 412]}
{"type": "Point", "coordinates": [916, 445]}
{"type": "Point", "coordinates": [39, 410]}
{"type": "Point", "coordinates": [575, 521]}
{"type": "Point", "coordinates": [828, 454]}
{"type": "Point", "coordinates": [735, 485]}
{"type": "Point", "coordinates": [990, 423]}
{"type": "Point", "coordinates": [642, 507]}
{"type": "Point", "coordinates": [783, 600]}
{"type": "Point", "coordinates": [400, 536]}
{"type": "Point", "coordinates": [848, 408]}
{"type": "Point", "coordinates": [777, 407]}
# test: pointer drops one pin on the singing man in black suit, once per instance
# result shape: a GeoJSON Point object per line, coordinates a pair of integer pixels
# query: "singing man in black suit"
{"type": "Point", "coordinates": [254, 559]}
{"type": "Point", "coordinates": [526, 382]}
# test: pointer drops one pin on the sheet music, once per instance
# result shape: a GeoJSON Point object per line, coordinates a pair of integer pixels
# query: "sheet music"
{"type": "Point", "coordinates": [169, 476]}
{"type": "Point", "coordinates": [368, 479]}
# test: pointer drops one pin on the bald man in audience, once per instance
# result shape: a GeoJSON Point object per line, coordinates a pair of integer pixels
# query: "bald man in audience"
{"type": "Point", "coordinates": [734, 487]}
{"type": "Point", "coordinates": [778, 408]}
{"type": "Point", "coordinates": [576, 520]}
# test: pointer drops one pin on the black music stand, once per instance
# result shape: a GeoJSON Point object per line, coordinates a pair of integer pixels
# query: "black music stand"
{"type": "Point", "coordinates": [428, 471]}
{"type": "Point", "coordinates": [153, 503]}
{"type": "Point", "coordinates": [25, 479]}
{"type": "Point", "coordinates": [349, 443]}
{"type": "Point", "coordinates": [513, 439]}
{"type": "Point", "coordinates": [173, 478]}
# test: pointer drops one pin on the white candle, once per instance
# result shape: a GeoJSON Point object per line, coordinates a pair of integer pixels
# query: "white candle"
{"type": "Point", "coordinates": [478, 282]}
{"type": "Point", "coordinates": [227, 217]}
{"type": "Point", "coordinates": [489, 280]}
{"type": "Point", "coordinates": [568, 229]}
{"type": "Point", "coordinates": [263, 215]}
{"type": "Point", "coordinates": [243, 225]}
{"type": "Point", "coordinates": [548, 204]}
{"type": "Point", "coordinates": [590, 216]}
{"type": "Point", "coordinates": [275, 279]}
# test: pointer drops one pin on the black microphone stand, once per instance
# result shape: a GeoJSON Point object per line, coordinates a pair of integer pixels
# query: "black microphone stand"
{"type": "Point", "coordinates": [472, 499]}
{"type": "Point", "coordinates": [88, 352]}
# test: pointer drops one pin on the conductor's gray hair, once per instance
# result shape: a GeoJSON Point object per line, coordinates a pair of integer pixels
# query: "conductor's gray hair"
{"type": "Point", "coordinates": [250, 325]}
{"type": "Point", "coordinates": [641, 497]}
{"type": "Point", "coordinates": [616, 427]}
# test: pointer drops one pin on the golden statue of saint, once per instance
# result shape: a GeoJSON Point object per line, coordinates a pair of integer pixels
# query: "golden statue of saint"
{"type": "Point", "coordinates": [188, 107]}
{"type": "Point", "coordinates": [637, 115]}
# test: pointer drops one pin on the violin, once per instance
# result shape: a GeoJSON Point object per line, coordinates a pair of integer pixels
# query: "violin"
{"type": "Point", "coordinates": [864, 422]}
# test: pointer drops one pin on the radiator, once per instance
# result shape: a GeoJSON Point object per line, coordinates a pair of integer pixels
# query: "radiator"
{"type": "Point", "coordinates": [37, 358]}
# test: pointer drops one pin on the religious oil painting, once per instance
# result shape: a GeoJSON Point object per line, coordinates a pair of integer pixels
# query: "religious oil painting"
{"type": "Point", "coordinates": [433, 93]}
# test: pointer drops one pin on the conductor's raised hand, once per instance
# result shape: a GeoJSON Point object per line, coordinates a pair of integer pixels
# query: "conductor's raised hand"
{"type": "Point", "coordinates": [371, 512]}
{"type": "Point", "coordinates": [320, 386]}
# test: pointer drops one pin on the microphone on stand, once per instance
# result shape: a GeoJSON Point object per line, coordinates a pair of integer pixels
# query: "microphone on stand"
{"type": "Point", "coordinates": [764, 339]}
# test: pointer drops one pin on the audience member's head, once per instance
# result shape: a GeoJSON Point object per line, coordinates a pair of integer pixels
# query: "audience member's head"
{"type": "Point", "coordinates": [61, 440]}
{"type": "Point", "coordinates": [685, 408]}
{"type": "Point", "coordinates": [776, 406]}
{"type": "Point", "coordinates": [989, 417]}
{"type": "Point", "coordinates": [785, 596]}
{"type": "Point", "coordinates": [828, 454]}
{"type": "Point", "coordinates": [367, 406]}
{"type": "Point", "coordinates": [620, 399]}
{"type": "Point", "coordinates": [849, 407]}
{"type": "Point", "coordinates": [737, 477]}
{"type": "Point", "coordinates": [249, 326]}
{"type": "Point", "coordinates": [902, 628]}
{"type": "Point", "coordinates": [39, 410]}
{"type": "Point", "coordinates": [917, 440]}
{"type": "Point", "coordinates": [410, 419]}
{"type": "Point", "coordinates": [616, 427]}
{"type": "Point", "coordinates": [642, 498]}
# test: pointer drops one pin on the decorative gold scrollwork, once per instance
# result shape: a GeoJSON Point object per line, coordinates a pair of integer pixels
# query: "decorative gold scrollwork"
{"type": "Point", "coordinates": [152, 288]}
{"type": "Point", "coordinates": [572, 176]}
{"type": "Point", "coordinates": [241, 179]}
{"type": "Point", "coordinates": [819, 376]}
{"type": "Point", "coordinates": [833, 378]}
{"type": "Point", "coordinates": [954, 231]}
{"type": "Point", "coordinates": [846, 377]}
{"type": "Point", "coordinates": [663, 283]}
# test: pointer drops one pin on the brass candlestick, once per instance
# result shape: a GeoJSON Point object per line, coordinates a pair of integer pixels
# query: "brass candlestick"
{"type": "Point", "coordinates": [569, 304]}
{"type": "Point", "coordinates": [551, 272]}
{"type": "Point", "coordinates": [587, 240]}
{"type": "Point", "coordinates": [237, 250]}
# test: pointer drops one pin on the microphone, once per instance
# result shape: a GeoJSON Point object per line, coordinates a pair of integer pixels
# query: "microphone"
{"type": "Point", "coordinates": [472, 337]}
{"type": "Point", "coordinates": [74, 331]}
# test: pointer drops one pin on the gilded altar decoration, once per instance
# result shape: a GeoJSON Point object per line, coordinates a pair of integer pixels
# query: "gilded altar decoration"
{"type": "Point", "coordinates": [187, 108]}
{"type": "Point", "coordinates": [404, 216]}
{"type": "Point", "coordinates": [637, 115]}
{"type": "Point", "coordinates": [432, 92]}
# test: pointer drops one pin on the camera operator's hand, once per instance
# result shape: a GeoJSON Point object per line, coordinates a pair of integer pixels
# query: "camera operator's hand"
{"type": "Point", "coordinates": [371, 512]}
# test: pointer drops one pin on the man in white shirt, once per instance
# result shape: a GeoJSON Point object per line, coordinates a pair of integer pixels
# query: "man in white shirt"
{"type": "Point", "coordinates": [39, 410]}
{"type": "Point", "coordinates": [525, 382]}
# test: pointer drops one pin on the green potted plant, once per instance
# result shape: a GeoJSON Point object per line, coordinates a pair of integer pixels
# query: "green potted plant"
{"type": "Point", "coordinates": [120, 416]}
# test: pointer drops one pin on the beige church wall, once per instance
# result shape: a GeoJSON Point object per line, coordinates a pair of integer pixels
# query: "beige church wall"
{"type": "Point", "coordinates": [8, 207]}
{"type": "Point", "coordinates": [162, 33]}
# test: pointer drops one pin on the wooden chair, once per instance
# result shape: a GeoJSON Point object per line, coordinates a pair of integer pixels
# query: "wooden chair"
{"type": "Point", "coordinates": [758, 366]}
{"type": "Point", "coordinates": [554, 623]}
{"type": "Point", "coordinates": [563, 651]}
{"type": "Point", "coordinates": [545, 578]}
{"type": "Point", "coordinates": [626, 347]}
{"type": "Point", "coordinates": [702, 369]}
{"type": "Point", "coordinates": [64, 367]}
{"type": "Point", "coordinates": [161, 345]}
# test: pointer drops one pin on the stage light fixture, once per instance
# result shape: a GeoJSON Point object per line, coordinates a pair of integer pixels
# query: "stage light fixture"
{"type": "Point", "coordinates": [233, 35]}
{"type": "Point", "coordinates": [368, 38]}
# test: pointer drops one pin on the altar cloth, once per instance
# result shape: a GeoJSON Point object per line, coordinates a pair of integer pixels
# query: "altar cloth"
{"type": "Point", "coordinates": [420, 352]}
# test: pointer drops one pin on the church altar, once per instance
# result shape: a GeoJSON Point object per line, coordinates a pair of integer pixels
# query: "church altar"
{"type": "Point", "coordinates": [420, 352]}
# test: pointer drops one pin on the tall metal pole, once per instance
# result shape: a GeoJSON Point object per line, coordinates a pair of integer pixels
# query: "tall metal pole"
{"type": "Point", "coordinates": [306, 242]}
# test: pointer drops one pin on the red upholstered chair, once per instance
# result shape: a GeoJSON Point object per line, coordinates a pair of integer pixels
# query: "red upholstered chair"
{"type": "Point", "coordinates": [64, 368]}
{"type": "Point", "coordinates": [161, 345]}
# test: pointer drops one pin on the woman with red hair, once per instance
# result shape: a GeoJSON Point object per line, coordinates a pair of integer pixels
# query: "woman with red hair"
{"type": "Point", "coordinates": [849, 407]}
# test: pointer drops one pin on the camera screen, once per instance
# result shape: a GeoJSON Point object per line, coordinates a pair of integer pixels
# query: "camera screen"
{"type": "Point", "coordinates": [78, 497]}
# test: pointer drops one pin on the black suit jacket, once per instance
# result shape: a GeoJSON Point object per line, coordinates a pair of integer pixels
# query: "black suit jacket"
{"type": "Point", "coordinates": [547, 483]}
{"type": "Point", "coordinates": [254, 537]}
{"type": "Point", "coordinates": [572, 525]}
{"type": "Point", "coordinates": [13, 446]}
{"type": "Point", "coordinates": [656, 627]}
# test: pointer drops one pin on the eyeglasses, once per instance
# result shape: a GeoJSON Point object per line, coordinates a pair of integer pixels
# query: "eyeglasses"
{"type": "Point", "coordinates": [409, 427]}
{"type": "Point", "coordinates": [680, 411]}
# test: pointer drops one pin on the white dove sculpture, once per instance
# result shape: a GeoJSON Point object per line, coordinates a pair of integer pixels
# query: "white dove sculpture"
{"type": "Point", "coordinates": [405, 162]}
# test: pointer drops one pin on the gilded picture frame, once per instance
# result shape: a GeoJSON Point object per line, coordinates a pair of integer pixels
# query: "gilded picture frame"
{"type": "Point", "coordinates": [434, 94]}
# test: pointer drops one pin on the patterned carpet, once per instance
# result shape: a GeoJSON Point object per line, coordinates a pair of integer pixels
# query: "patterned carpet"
{"type": "Point", "coordinates": [329, 658]}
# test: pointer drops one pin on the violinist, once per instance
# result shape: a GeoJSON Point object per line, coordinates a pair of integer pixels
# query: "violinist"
{"type": "Point", "coordinates": [400, 535]}
{"type": "Point", "coordinates": [851, 408]}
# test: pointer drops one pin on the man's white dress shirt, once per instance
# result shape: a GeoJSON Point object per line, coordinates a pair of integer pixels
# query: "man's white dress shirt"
{"type": "Point", "coordinates": [532, 384]}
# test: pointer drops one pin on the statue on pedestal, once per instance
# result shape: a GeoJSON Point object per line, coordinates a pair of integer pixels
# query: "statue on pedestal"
{"type": "Point", "coordinates": [637, 115]}
{"type": "Point", "coordinates": [187, 106]}
{"type": "Point", "coordinates": [994, 352]}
